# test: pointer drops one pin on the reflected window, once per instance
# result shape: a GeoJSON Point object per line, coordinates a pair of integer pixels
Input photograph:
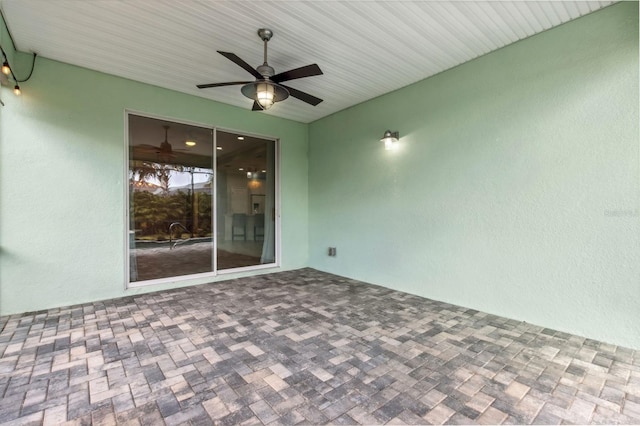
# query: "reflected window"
{"type": "Point", "coordinates": [200, 200]}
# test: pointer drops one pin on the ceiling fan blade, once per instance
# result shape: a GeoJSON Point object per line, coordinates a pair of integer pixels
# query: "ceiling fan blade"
{"type": "Point", "coordinates": [146, 148]}
{"type": "Point", "coordinates": [307, 71]}
{"type": "Point", "coordinates": [235, 59]}
{"type": "Point", "coordinates": [304, 97]}
{"type": "Point", "coordinates": [256, 107]}
{"type": "Point", "coordinates": [231, 83]}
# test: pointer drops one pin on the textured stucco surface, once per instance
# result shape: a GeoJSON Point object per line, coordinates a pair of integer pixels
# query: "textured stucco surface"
{"type": "Point", "coordinates": [62, 193]}
{"type": "Point", "coordinates": [515, 189]}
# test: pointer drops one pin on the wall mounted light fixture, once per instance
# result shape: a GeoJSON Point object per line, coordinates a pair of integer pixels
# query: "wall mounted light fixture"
{"type": "Point", "coordinates": [390, 139]}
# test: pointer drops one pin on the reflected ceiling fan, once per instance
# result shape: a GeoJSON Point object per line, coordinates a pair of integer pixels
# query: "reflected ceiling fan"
{"type": "Point", "coordinates": [165, 151]}
{"type": "Point", "coordinates": [267, 88]}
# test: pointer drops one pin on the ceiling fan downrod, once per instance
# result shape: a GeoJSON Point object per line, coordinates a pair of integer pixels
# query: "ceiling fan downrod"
{"type": "Point", "coordinates": [265, 70]}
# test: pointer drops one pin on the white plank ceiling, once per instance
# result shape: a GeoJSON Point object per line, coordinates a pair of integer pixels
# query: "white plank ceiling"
{"type": "Point", "coordinates": [364, 48]}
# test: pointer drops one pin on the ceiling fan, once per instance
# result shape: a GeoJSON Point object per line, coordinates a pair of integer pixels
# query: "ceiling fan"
{"type": "Point", "coordinates": [267, 88]}
{"type": "Point", "coordinates": [165, 151]}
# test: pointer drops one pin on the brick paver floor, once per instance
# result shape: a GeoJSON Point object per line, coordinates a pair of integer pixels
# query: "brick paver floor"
{"type": "Point", "coordinates": [303, 347]}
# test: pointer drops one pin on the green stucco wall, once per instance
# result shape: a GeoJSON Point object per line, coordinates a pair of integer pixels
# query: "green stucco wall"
{"type": "Point", "coordinates": [62, 214]}
{"type": "Point", "coordinates": [515, 189]}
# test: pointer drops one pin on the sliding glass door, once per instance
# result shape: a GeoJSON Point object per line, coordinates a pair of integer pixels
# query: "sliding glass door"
{"type": "Point", "coordinates": [200, 200]}
{"type": "Point", "coordinates": [246, 193]}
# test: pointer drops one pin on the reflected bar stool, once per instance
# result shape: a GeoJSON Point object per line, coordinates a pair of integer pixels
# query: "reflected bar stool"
{"type": "Point", "coordinates": [239, 221]}
{"type": "Point", "coordinates": [258, 225]}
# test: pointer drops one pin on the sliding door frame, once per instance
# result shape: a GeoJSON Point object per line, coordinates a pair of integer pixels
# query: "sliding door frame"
{"type": "Point", "coordinates": [276, 204]}
{"type": "Point", "coordinates": [214, 203]}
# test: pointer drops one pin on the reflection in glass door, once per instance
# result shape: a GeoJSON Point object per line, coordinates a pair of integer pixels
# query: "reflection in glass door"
{"type": "Point", "coordinates": [173, 189]}
{"type": "Point", "coordinates": [170, 199]}
{"type": "Point", "coordinates": [245, 175]}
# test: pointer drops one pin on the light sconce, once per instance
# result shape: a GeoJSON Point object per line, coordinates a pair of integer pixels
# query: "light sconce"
{"type": "Point", "coordinates": [390, 139]}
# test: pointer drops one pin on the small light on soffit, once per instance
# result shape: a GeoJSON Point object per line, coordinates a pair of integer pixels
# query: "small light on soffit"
{"type": "Point", "coordinates": [219, 148]}
{"type": "Point", "coordinates": [240, 138]}
{"type": "Point", "coordinates": [190, 143]}
{"type": "Point", "coordinates": [390, 139]}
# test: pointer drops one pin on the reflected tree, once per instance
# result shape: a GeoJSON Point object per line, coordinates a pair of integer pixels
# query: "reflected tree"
{"type": "Point", "coordinates": [140, 172]}
{"type": "Point", "coordinates": [155, 206]}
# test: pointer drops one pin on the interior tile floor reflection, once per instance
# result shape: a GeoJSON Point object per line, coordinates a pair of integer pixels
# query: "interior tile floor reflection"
{"type": "Point", "coordinates": [190, 258]}
{"type": "Point", "coordinates": [303, 347]}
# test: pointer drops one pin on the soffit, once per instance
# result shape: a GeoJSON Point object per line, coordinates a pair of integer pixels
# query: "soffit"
{"type": "Point", "coordinates": [365, 48]}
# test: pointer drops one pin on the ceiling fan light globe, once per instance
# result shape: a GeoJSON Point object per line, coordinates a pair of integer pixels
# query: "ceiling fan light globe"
{"type": "Point", "coordinates": [265, 95]}
{"type": "Point", "coordinates": [265, 103]}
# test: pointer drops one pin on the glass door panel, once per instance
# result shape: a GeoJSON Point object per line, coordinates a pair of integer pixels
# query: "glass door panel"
{"type": "Point", "coordinates": [245, 176]}
{"type": "Point", "coordinates": [170, 199]}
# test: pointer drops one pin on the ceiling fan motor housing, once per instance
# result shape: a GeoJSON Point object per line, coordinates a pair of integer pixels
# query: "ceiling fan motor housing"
{"type": "Point", "coordinates": [265, 34]}
{"type": "Point", "coordinates": [266, 71]}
